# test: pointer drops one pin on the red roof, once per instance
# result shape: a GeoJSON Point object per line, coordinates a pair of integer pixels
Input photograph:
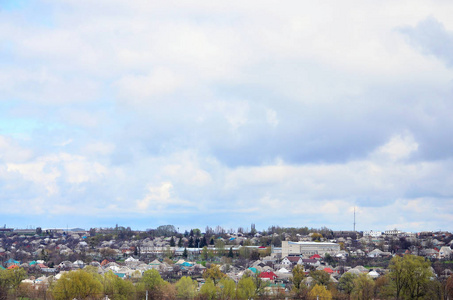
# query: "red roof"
{"type": "Point", "coordinates": [13, 267]}
{"type": "Point", "coordinates": [328, 270]}
{"type": "Point", "coordinates": [316, 256]}
{"type": "Point", "coordinates": [104, 262]}
{"type": "Point", "coordinates": [293, 258]}
{"type": "Point", "coordinates": [270, 275]}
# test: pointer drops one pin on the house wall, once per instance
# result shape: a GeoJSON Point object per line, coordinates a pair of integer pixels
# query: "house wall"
{"type": "Point", "coordinates": [307, 249]}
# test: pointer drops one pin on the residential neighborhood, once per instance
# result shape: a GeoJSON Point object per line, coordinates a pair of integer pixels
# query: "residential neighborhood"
{"type": "Point", "coordinates": [283, 262]}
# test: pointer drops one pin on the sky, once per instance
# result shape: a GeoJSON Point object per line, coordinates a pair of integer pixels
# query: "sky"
{"type": "Point", "coordinates": [205, 113]}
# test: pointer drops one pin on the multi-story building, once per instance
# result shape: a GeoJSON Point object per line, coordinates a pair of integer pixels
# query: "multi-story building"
{"type": "Point", "coordinates": [308, 248]}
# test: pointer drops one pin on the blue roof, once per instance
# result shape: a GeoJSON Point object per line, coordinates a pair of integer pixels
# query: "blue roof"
{"type": "Point", "coordinates": [254, 270]}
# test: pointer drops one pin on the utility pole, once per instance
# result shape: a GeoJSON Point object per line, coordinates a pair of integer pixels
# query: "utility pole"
{"type": "Point", "coordinates": [146, 294]}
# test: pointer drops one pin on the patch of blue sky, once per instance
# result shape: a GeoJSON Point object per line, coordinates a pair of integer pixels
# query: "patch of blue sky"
{"type": "Point", "coordinates": [13, 4]}
{"type": "Point", "coordinates": [19, 126]}
{"type": "Point", "coordinates": [35, 12]}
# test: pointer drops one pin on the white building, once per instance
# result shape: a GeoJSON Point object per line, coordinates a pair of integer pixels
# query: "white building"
{"type": "Point", "coordinates": [371, 233]}
{"type": "Point", "coordinates": [308, 248]}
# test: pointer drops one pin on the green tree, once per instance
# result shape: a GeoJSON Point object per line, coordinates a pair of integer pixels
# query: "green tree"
{"type": "Point", "coordinates": [117, 288]}
{"type": "Point", "coordinates": [214, 273]}
{"type": "Point", "coordinates": [185, 254]}
{"type": "Point", "coordinates": [227, 288]}
{"type": "Point", "coordinates": [246, 288]}
{"type": "Point", "coordinates": [299, 289]}
{"type": "Point", "coordinates": [10, 280]}
{"type": "Point", "coordinates": [320, 277]}
{"type": "Point", "coordinates": [346, 282]}
{"type": "Point", "coordinates": [152, 279]}
{"type": "Point", "coordinates": [172, 242]}
{"type": "Point", "coordinates": [186, 288]}
{"type": "Point", "coordinates": [204, 253]}
{"type": "Point", "coordinates": [363, 287]}
{"type": "Point", "coordinates": [409, 275]}
{"type": "Point", "coordinates": [320, 292]}
{"type": "Point", "coordinates": [230, 253]}
{"type": "Point", "coordinates": [77, 284]}
{"type": "Point", "coordinates": [220, 247]}
{"type": "Point", "coordinates": [208, 290]}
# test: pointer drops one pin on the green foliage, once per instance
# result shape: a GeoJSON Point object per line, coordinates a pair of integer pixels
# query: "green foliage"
{"type": "Point", "coordinates": [165, 230]}
{"type": "Point", "coordinates": [117, 288]}
{"type": "Point", "coordinates": [10, 280]}
{"type": "Point", "coordinates": [227, 288]}
{"type": "Point", "coordinates": [77, 284]}
{"type": "Point", "coordinates": [152, 280]}
{"type": "Point", "coordinates": [208, 290]}
{"type": "Point", "coordinates": [409, 275]}
{"type": "Point", "coordinates": [320, 277]}
{"type": "Point", "coordinates": [346, 282]}
{"type": "Point", "coordinates": [320, 292]}
{"type": "Point", "coordinates": [204, 253]}
{"type": "Point", "coordinates": [186, 288]}
{"type": "Point", "coordinates": [246, 288]}
{"type": "Point", "coordinates": [298, 278]}
{"type": "Point", "coordinates": [213, 273]}
{"type": "Point", "coordinates": [363, 287]}
{"type": "Point", "coordinates": [220, 246]}
{"type": "Point", "coordinates": [230, 252]}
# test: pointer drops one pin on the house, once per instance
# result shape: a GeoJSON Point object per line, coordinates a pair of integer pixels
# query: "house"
{"type": "Point", "coordinates": [310, 262]}
{"type": "Point", "coordinates": [445, 252]}
{"type": "Point", "coordinates": [292, 260]}
{"type": "Point", "coordinates": [268, 276]}
{"type": "Point", "coordinates": [375, 253]}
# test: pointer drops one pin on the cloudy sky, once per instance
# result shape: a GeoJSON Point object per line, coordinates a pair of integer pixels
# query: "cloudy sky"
{"type": "Point", "coordinates": [197, 113]}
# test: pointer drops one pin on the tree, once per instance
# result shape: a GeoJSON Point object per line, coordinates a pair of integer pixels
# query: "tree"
{"type": "Point", "coordinates": [227, 288]}
{"type": "Point", "coordinates": [214, 273]}
{"type": "Point", "coordinates": [172, 242]}
{"type": "Point", "coordinates": [246, 288]}
{"type": "Point", "coordinates": [152, 279]}
{"type": "Point", "coordinates": [10, 280]}
{"type": "Point", "coordinates": [204, 253]}
{"type": "Point", "coordinates": [180, 242]}
{"type": "Point", "coordinates": [208, 290]}
{"type": "Point", "coordinates": [77, 284]}
{"type": "Point", "coordinates": [409, 275]}
{"type": "Point", "coordinates": [346, 282]}
{"type": "Point", "coordinates": [320, 277]}
{"type": "Point", "coordinates": [185, 254]}
{"type": "Point", "coordinates": [186, 288]}
{"type": "Point", "coordinates": [38, 230]}
{"type": "Point", "coordinates": [383, 288]}
{"type": "Point", "coordinates": [363, 287]}
{"type": "Point", "coordinates": [320, 292]}
{"type": "Point", "coordinates": [298, 278]}
{"type": "Point", "coordinates": [220, 247]}
{"type": "Point", "coordinates": [449, 287]}
{"type": "Point", "coordinates": [230, 253]}
{"type": "Point", "coordinates": [117, 288]}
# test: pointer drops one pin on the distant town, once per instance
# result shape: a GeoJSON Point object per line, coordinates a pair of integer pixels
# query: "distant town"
{"type": "Point", "coordinates": [297, 263]}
